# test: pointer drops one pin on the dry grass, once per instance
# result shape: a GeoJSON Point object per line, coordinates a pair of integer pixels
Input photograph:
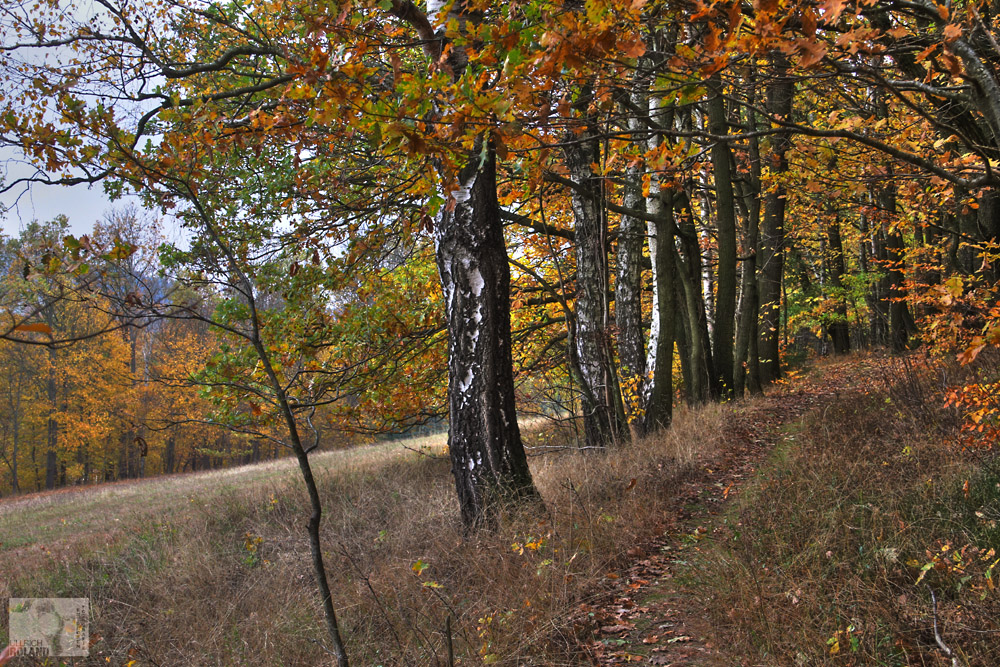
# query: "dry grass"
{"type": "Point", "coordinates": [819, 564]}
{"type": "Point", "coordinates": [212, 569]}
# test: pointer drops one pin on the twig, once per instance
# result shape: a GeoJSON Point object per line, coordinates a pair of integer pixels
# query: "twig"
{"type": "Point", "coordinates": [539, 450]}
{"type": "Point", "coordinates": [424, 453]}
{"type": "Point", "coordinates": [322, 646]}
{"type": "Point", "coordinates": [937, 636]}
{"type": "Point", "coordinates": [371, 589]}
{"type": "Point", "coordinates": [451, 649]}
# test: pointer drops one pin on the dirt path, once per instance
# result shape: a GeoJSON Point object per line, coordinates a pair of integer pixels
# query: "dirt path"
{"type": "Point", "coordinates": [652, 615]}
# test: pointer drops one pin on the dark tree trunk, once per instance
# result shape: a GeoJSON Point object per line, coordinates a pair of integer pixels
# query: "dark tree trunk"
{"type": "Point", "coordinates": [725, 281]}
{"type": "Point", "coordinates": [701, 374]}
{"type": "Point", "coordinates": [170, 453]}
{"type": "Point", "coordinates": [879, 291]}
{"type": "Point", "coordinates": [746, 362]}
{"type": "Point", "coordinates": [989, 228]}
{"type": "Point", "coordinates": [838, 328]}
{"type": "Point", "coordinates": [894, 293]}
{"type": "Point", "coordinates": [14, 485]}
{"type": "Point", "coordinates": [898, 315]}
{"type": "Point", "coordinates": [682, 329]}
{"type": "Point", "coordinates": [484, 440]}
{"type": "Point", "coordinates": [772, 238]}
{"type": "Point", "coordinates": [52, 425]}
{"type": "Point", "coordinates": [864, 264]}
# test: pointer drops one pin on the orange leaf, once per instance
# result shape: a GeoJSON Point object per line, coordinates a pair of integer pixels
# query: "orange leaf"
{"type": "Point", "coordinates": [832, 9]}
{"type": "Point", "coordinates": [952, 32]}
{"type": "Point", "coordinates": [923, 55]}
{"type": "Point", "coordinates": [632, 48]}
{"type": "Point", "coordinates": [811, 53]}
{"type": "Point", "coordinates": [969, 355]}
{"type": "Point", "coordinates": [37, 327]}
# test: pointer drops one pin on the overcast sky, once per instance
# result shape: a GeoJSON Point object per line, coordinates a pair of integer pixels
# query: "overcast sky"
{"type": "Point", "coordinates": [82, 205]}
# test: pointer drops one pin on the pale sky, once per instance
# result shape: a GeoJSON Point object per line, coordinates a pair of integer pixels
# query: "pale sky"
{"type": "Point", "coordinates": [82, 205]}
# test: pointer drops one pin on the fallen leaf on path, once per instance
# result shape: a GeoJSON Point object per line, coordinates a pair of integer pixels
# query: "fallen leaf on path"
{"type": "Point", "coordinates": [611, 629]}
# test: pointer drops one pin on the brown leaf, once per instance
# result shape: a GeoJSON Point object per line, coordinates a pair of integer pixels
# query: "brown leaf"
{"type": "Point", "coordinates": [612, 629]}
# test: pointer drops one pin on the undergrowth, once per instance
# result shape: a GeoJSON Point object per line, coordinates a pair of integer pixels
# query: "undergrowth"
{"type": "Point", "coordinates": [869, 528]}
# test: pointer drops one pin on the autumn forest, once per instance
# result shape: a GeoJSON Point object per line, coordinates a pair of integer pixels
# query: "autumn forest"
{"type": "Point", "coordinates": [535, 225]}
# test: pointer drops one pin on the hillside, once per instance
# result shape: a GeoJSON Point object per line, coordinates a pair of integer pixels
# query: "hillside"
{"type": "Point", "coordinates": [808, 526]}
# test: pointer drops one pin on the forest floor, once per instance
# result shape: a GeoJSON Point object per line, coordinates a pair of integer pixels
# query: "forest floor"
{"type": "Point", "coordinates": [653, 613]}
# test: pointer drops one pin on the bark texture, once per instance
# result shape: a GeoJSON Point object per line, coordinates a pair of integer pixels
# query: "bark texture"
{"type": "Point", "coordinates": [603, 420]}
{"type": "Point", "coordinates": [772, 236]}
{"type": "Point", "coordinates": [628, 293]}
{"type": "Point", "coordinates": [725, 276]}
{"type": "Point", "coordinates": [484, 440]}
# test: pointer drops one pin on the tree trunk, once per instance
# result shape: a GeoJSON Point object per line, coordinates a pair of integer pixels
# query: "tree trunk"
{"type": "Point", "coordinates": [51, 425]}
{"type": "Point", "coordinates": [989, 228]}
{"type": "Point", "coordinates": [484, 440]}
{"type": "Point", "coordinates": [772, 238]}
{"type": "Point", "coordinates": [701, 373]}
{"type": "Point", "coordinates": [170, 454]}
{"type": "Point", "coordinates": [894, 293]}
{"type": "Point", "coordinates": [658, 392]}
{"type": "Point", "coordinates": [601, 422]}
{"type": "Point", "coordinates": [838, 328]}
{"type": "Point", "coordinates": [879, 291]}
{"type": "Point", "coordinates": [14, 486]}
{"type": "Point", "coordinates": [628, 294]}
{"type": "Point", "coordinates": [725, 281]}
{"type": "Point", "coordinates": [746, 362]}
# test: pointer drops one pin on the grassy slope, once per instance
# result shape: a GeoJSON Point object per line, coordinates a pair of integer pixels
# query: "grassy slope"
{"type": "Point", "coordinates": [869, 525]}
{"type": "Point", "coordinates": [866, 526]}
{"type": "Point", "coordinates": [74, 515]}
{"type": "Point", "coordinates": [212, 568]}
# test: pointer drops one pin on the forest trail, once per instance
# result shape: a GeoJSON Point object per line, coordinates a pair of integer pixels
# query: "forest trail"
{"type": "Point", "coordinates": [650, 613]}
